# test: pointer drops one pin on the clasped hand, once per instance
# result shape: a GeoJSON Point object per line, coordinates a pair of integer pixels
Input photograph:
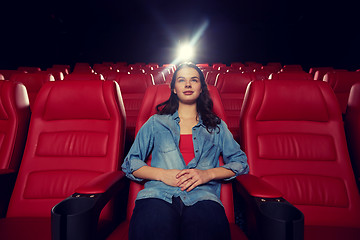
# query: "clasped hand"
{"type": "Point", "coordinates": [186, 179]}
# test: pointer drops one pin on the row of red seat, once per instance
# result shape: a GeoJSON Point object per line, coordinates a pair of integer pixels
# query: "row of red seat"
{"type": "Point", "coordinates": [296, 149]}
{"type": "Point", "coordinates": [232, 86]}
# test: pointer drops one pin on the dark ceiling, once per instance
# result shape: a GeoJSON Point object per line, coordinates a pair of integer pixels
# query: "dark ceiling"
{"type": "Point", "coordinates": [311, 33]}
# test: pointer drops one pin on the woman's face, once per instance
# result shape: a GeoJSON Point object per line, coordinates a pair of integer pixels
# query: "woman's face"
{"type": "Point", "coordinates": [187, 85]}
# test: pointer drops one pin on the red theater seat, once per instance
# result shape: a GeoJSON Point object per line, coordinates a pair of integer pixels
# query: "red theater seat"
{"type": "Point", "coordinates": [291, 67]}
{"type": "Point", "coordinates": [322, 71]}
{"type": "Point", "coordinates": [8, 73]}
{"type": "Point", "coordinates": [29, 69]}
{"type": "Point", "coordinates": [82, 68]}
{"type": "Point", "coordinates": [341, 83]}
{"type": "Point", "coordinates": [232, 87]}
{"type": "Point", "coordinates": [155, 95]}
{"type": "Point", "coordinates": [81, 76]}
{"type": "Point", "coordinates": [211, 77]}
{"type": "Point", "coordinates": [237, 65]}
{"type": "Point", "coordinates": [57, 73]}
{"type": "Point", "coordinates": [76, 135]}
{"type": "Point", "coordinates": [291, 75]}
{"type": "Point", "coordinates": [352, 128]}
{"type": "Point", "coordinates": [14, 122]}
{"type": "Point", "coordinates": [293, 135]}
{"type": "Point", "coordinates": [133, 87]}
{"type": "Point", "coordinates": [157, 75]}
{"type": "Point", "coordinates": [33, 83]}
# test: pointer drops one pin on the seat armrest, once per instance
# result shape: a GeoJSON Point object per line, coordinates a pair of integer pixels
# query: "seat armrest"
{"type": "Point", "coordinates": [101, 184]}
{"type": "Point", "coordinates": [77, 216]}
{"type": "Point", "coordinates": [268, 216]}
{"type": "Point", "coordinates": [257, 187]}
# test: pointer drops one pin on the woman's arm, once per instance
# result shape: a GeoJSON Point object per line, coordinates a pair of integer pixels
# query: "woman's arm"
{"type": "Point", "coordinates": [167, 176]}
{"type": "Point", "coordinates": [188, 179]}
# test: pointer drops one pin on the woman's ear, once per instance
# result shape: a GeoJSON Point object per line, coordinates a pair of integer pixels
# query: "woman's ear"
{"type": "Point", "coordinates": [174, 90]}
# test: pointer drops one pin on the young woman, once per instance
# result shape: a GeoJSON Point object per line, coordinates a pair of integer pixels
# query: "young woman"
{"type": "Point", "coordinates": [181, 199]}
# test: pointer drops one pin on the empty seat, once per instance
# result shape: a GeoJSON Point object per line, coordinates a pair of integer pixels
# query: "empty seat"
{"type": "Point", "coordinates": [237, 65]}
{"type": "Point", "coordinates": [247, 69]}
{"type": "Point", "coordinates": [322, 71]}
{"type": "Point", "coordinates": [155, 95]}
{"type": "Point", "coordinates": [29, 69]}
{"type": "Point", "coordinates": [157, 75]}
{"type": "Point", "coordinates": [14, 122]}
{"type": "Point", "coordinates": [291, 75]}
{"type": "Point", "coordinates": [232, 87]}
{"type": "Point", "coordinates": [211, 77]}
{"type": "Point", "coordinates": [277, 65]}
{"type": "Point", "coordinates": [81, 76]}
{"type": "Point", "coordinates": [57, 73]}
{"type": "Point", "coordinates": [82, 68]}
{"type": "Point", "coordinates": [352, 128]}
{"type": "Point", "coordinates": [291, 67]}
{"type": "Point", "coordinates": [8, 73]}
{"type": "Point", "coordinates": [341, 83]}
{"type": "Point", "coordinates": [33, 83]}
{"type": "Point", "coordinates": [133, 87]}
{"type": "Point", "coordinates": [293, 135]}
{"type": "Point", "coordinates": [76, 134]}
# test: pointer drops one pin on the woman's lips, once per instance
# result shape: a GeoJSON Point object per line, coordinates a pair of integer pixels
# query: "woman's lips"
{"type": "Point", "coordinates": [188, 92]}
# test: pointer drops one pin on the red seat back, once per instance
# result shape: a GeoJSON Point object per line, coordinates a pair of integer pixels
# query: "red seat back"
{"type": "Point", "coordinates": [232, 87]}
{"type": "Point", "coordinates": [76, 133]}
{"type": "Point", "coordinates": [352, 128]}
{"type": "Point", "coordinates": [291, 75]}
{"type": "Point", "coordinates": [83, 76]}
{"type": "Point", "coordinates": [341, 82]}
{"type": "Point", "coordinates": [155, 95]}
{"type": "Point", "coordinates": [14, 122]}
{"type": "Point", "coordinates": [133, 87]}
{"type": "Point", "coordinates": [293, 135]}
{"type": "Point", "coordinates": [33, 83]}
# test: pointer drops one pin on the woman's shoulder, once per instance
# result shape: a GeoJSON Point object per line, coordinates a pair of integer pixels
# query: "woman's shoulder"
{"type": "Point", "coordinates": [161, 117]}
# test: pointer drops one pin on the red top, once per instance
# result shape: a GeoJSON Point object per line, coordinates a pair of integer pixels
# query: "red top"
{"type": "Point", "coordinates": [187, 147]}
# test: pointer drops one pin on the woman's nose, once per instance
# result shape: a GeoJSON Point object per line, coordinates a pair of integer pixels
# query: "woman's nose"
{"type": "Point", "coordinates": [187, 84]}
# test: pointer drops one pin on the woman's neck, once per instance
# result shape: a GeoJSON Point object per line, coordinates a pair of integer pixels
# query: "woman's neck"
{"type": "Point", "coordinates": [187, 111]}
{"type": "Point", "coordinates": [188, 118]}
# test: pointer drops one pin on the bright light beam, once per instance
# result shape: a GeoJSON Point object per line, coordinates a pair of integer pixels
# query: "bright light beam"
{"type": "Point", "coordinates": [185, 52]}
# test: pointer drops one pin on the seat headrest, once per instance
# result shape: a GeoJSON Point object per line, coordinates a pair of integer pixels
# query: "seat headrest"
{"type": "Point", "coordinates": [292, 75]}
{"type": "Point", "coordinates": [32, 81]}
{"type": "Point", "coordinates": [77, 76]}
{"type": "Point", "coordinates": [234, 82]}
{"type": "Point", "coordinates": [341, 81]}
{"type": "Point", "coordinates": [132, 83]}
{"type": "Point", "coordinates": [13, 95]}
{"type": "Point", "coordinates": [284, 100]}
{"type": "Point", "coordinates": [64, 100]}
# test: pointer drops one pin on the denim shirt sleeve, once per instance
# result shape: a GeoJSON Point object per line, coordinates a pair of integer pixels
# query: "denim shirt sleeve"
{"type": "Point", "coordinates": [234, 158]}
{"type": "Point", "coordinates": [139, 150]}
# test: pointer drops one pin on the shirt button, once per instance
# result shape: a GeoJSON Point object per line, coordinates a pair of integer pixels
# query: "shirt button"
{"type": "Point", "coordinates": [194, 138]}
{"type": "Point", "coordinates": [197, 151]}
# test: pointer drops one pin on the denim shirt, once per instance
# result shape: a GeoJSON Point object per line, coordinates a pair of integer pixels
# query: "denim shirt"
{"type": "Point", "coordinates": [160, 137]}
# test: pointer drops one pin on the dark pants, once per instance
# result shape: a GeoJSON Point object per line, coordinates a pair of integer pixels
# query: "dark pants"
{"type": "Point", "coordinates": [157, 219]}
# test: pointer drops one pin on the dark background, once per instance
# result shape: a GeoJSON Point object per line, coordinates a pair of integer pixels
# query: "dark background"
{"type": "Point", "coordinates": [310, 33]}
